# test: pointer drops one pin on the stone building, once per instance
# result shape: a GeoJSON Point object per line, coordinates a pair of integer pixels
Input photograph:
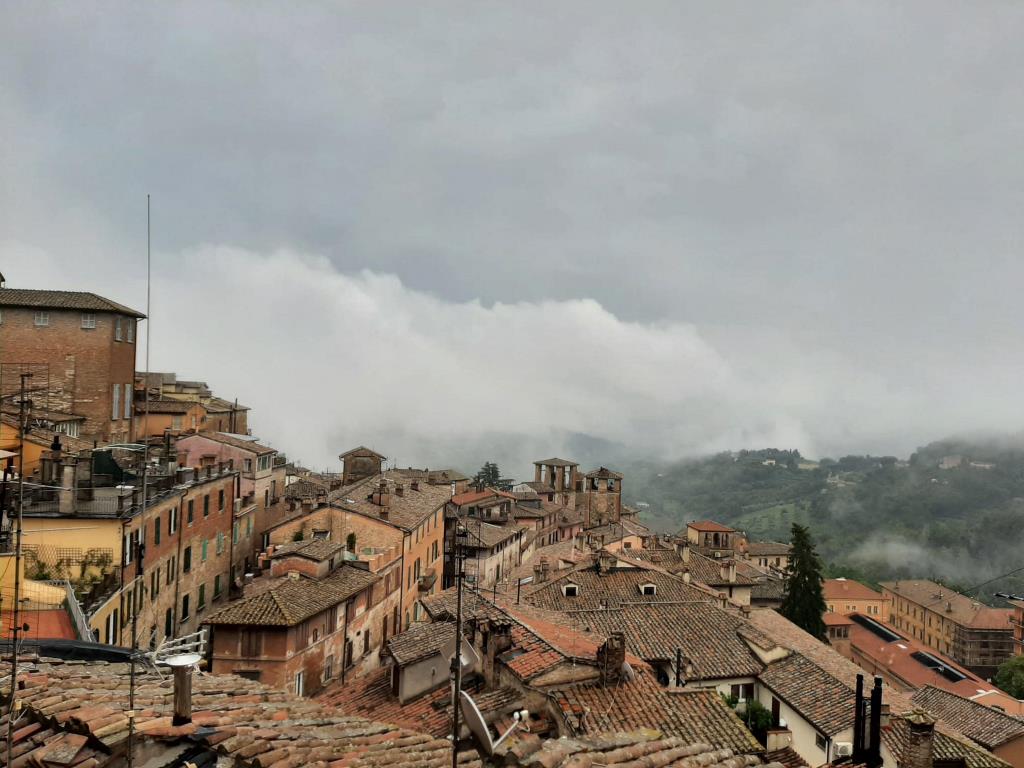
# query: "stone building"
{"type": "Point", "coordinates": [80, 349]}
{"type": "Point", "coordinates": [601, 500]}
{"type": "Point", "coordinates": [294, 631]}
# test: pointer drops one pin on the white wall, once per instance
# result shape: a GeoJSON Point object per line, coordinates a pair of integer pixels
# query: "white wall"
{"type": "Point", "coordinates": [804, 734]}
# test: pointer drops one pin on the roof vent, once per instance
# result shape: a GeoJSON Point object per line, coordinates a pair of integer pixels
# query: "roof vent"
{"type": "Point", "coordinates": [293, 575]}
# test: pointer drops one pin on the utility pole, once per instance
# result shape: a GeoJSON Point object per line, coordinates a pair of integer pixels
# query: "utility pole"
{"type": "Point", "coordinates": [460, 535]}
{"type": "Point", "coordinates": [16, 613]}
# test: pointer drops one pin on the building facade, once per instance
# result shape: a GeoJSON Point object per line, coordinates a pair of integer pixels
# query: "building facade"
{"type": "Point", "coordinates": [80, 349]}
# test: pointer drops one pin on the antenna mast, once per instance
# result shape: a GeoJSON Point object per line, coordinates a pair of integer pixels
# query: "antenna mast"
{"type": "Point", "coordinates": [140, 543]}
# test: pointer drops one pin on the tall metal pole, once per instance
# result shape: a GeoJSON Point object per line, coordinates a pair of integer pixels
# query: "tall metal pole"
{"type": "Point", "coordinates": [16, 613]}
{"type": "Point", "coordinates": [460, 534]}
{"type": "Point", "coordinates": [142, 515]}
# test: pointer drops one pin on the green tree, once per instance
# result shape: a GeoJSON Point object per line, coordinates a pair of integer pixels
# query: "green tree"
{"type": "Point", "coordinates": [1010, 676]}
{"type": "Point", "coordinates": [803, 602]}
{"type": "Point", "coordinates": [488, 476]}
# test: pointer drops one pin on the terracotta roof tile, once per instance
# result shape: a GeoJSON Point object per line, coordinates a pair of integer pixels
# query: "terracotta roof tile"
{"type": "Point", "coordinates": [824, 701]}
{"type": "Point", "coordinates": [957, 607]}
{"type": "Point", "coordinates": [286, 601]}
{"type": "Point", "coordinates": [420, 641]}
{"type": "Point", "coordinates": [839, 589]}
{"type": "Point", "coordinates": [692, 715]}
{"type": "Point", "coordinates": [72, 300]}
{"type": "Point", "coordinates": [985, 725]}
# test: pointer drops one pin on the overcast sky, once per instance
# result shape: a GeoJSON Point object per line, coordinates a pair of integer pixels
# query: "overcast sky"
{"type": "Point", "coordinates": [455, 231]}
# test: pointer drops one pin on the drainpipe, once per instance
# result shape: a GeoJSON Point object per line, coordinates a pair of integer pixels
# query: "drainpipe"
{"type": "Point", "coordinates": [344, 641]}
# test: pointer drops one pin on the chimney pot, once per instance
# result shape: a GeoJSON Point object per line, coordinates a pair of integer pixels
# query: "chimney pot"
{"type": "Point", "coordinates": [182, 695]}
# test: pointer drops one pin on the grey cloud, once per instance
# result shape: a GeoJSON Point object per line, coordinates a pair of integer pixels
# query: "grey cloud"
{"type": "Point", "coordinates": [826, 195]}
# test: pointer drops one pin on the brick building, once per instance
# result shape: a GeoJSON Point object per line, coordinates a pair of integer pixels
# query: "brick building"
{"type": "Point", "coordinates": [293, 631]}
{"type": "Point", "coordinates": [221, 415]}
{"type": "Point", "coordinates": [261, 474]}
{"type": "Point", "coordinates": [80, 349]}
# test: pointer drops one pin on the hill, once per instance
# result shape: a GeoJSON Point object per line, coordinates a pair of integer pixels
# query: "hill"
{"type": "Point", "coordinates": [953, 511]}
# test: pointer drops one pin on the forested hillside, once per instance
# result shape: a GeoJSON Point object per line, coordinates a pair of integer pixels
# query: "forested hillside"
{"type": "Point", "coordinates": [954, 510]}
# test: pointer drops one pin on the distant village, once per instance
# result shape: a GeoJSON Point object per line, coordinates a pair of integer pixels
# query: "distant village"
{"type": "Point", "coordinates": [175, 592]}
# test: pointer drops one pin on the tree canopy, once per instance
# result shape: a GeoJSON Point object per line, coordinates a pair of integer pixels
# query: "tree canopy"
{"type": "Point", "coordinates": [804, 602]}
{"type": "Point", "coordinates": [1010, 676]}
{"type": "Point", "coordinates": [489, 475]}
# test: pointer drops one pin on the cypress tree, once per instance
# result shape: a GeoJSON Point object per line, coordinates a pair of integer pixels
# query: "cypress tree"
{"type": "Point", "coordinates": [804, 602]}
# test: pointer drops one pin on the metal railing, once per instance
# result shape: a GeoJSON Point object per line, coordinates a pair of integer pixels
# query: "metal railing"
{"type": "Point", "coordinates": [73, 608]}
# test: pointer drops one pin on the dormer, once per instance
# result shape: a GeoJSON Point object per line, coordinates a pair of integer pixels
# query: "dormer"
{"type": "Point", "coordinates": [571, 590]}
{"type": "Point", "coordinates": [648, 589]}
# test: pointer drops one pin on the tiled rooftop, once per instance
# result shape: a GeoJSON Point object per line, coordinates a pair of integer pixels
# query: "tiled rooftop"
{"type": "Point", "coordinates": [709, 636]}
{"type": "Point", "coordinates": [824, 701]}
{"type": "Point", "coordinates": [985, 725]}
{"type": "Point", "coordinates": [286, 601]}
{"type": "Point", "coordinates": [420, 641]}
{"type": "Point", "coordinates": [616, 587]}
{"type": "Point", "coordinates": [710, 526]}
{"type": "Point", "coordinates": [75, 714]}
{"type": "Point", "coordinates": [406, 511]}
{"type": "Point", "coordinates": [236, 442]}
{"type": "Point", "coordinates": [372, 696]}
{"type": "Point", "coordinates": [71, 300]}
{"type": "Point", "coordinates": [693, 716]}
{"type": "Point", "coordinates": [848, 589]}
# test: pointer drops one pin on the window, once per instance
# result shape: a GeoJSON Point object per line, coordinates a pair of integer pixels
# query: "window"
{"type": "Point", "coordinates": [117, 329]}
{"type": "Point", "coordinates": [220, 500]}
{"type": "Point", "coordinates": [216, 586]}
{"type": "Point", "coordinates": [316, 635]}
{"type": "Point", "coordinates": [220, 542]}
{"type": "Point", "coordinates": [201, 602]}
{"type": "Point", "coordinates": [820, 742]}
{"type": "Point", "coordinates": [302, 635]}
{"type": "Point", "coordinates": [184, 609]}
{"type": "Point", "coordinates": [299, 680]}
{"type": "Point", "coordinates": [570, 590]}
{"type": "Point", "coordinates": [115, 411]}
{"type": "Point", "coordinates": [191, 511]}
{"type": "Point", "coordinates": [248, 465]}
{"type": "Point", "coordinates": [264, 462]}
{"type": "Point", "coordinates": [206, 505]}
{"type": "Point", "coordinates": [203, 548]}
{"type": "Point", "coordinates": [128, 392]}
{"type": "Point", "coordinates": [266, 499]}
{"type": "Point", "coordinates": [186, 565]}
{"type": "Point", "coordinates": [648, 589]}
{"type": "Point", "coordinates": [169, 623]}
{"type": "Point", "coordinates": [88, 320]}
{"type": "Point", "coordinates": [248, 525]}
{"type": "Point", "coordinates": [172, 522]}
{"type": "Point", "coordinates": [156, 533]}
{"type": "Point", "coordinates": [130, 328]}
{"type": "Point", "coordinates": [328, 668]}
{"type": "Point", "coordinates": [42, 319]}
{"type": "Point", "coordinates": [110, 631]}
{"type": "Point", "coordinates": [234, 532]}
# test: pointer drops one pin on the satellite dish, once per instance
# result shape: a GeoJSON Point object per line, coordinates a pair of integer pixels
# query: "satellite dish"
{"type": "Point", "coordinates": [475, 722]}
{"type": "Point", "coordinates": [469, 657]}
{"type": "Point", "coordinates": [478, 726]}
{"type": "Point", "coordinates": [182, 660]}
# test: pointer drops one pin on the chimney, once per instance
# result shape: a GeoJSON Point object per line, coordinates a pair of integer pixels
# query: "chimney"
{"type": "Point", "coordinates": [686, 576]}
{"type": "Point", "coordinates": [745, 611]}
{"type": "Point", "coordinates": [605, 562]}
{"type": "Point", "coordinates": [686, 552]}
{"type": "Point", "coordinates": [182, 695]}
{"type": "Point", "coordinates": [611, 657]}
{"type": "Point", "coordinates": [399, 490]}
{"type": "Point", "coordinates": [858, 721]}
{"type": "Point", "coordinates": [874, 755]}
{"type": "Point", "coordinates": [919, 749]}
{"type": "Point", "coordinates": [414, 485]}
{"type": "Point", "coordinates": [779, 738]}
{"type": "Point", "coordinates": [66, 500]}
{"type": "Point", "coordinates": [538, 573]}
